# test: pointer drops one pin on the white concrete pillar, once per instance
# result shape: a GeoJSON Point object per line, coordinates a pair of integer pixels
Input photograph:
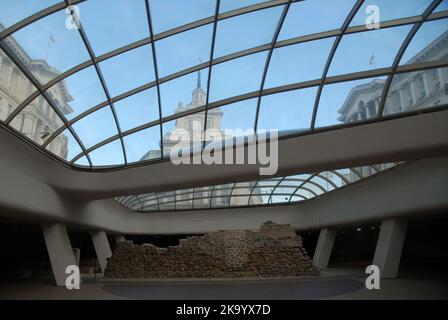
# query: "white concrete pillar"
{"type": "Point", "coordinates": [102, 247]}
{"type": "Point", "coordinates": [389, 247]}
{"type": "Point", "coordinates": [59, 250]}
{"type": "Point", "coordinates": [324, 247]}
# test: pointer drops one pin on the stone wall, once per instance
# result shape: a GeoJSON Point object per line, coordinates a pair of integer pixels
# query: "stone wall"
{"type": "Point", "coordinates": [274, 250]}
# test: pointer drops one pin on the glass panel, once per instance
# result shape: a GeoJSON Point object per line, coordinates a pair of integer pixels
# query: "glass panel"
{"type": "Point", "coordinates": [323, 183]}
{"type": "Point", "coordinates": [257, 199]}
{"type": "Point", "coordinates": [82, 162]}
{"type": "Point", "coordinates": [143, 145]}
{"type": "Point", "coordinates": [14, 86]}
{"type": "Point", "coordinates": [78, 93]}
{"type": "Point", "coordinates": [349, 174]}
{"type": "Point", "coordinates": [390, 10]}
{"type": "Point", "coordinates": [168, 14]}
{"type": "Point", "coordinates": [290, 110]}
{"type": "Point", "coordinates": [237, 201]}
{"type": "Point", "coordinates": [296, 198]}
{"type": "Point", "coordinates": [12, 12]}
{"type": "Point", "coordinates": [137, 109]}
{"type": "Point", "coordinates": [348, 102]}
{"type": "Point", "coordinates": [305, 193]}
{"type": "Point", "coordinates": [184, 93]}
{"type": "Point", "coordinates": [298, 63]}
{"type": "Point", "coordinates": [301, 19]}
{"type": "Point", "coordinates": [285, 190]}
{"type": "Point", "coordinates": [253, 29]}
{"type": "Point", "coordinates": [48, 47]}
{"type": "Point", "coordinates": [333, 177]}
{"type": "Point", "coordinates": [64, 146]}
{"type": "Point", "coordinates": [96, 127]}
{"type": "Point", "coordinates": [417, 90]}
{"type": "Point", "coordinates": [184, 205]}
{"type": "Point", "coordinates": [365, 171]}
{"type": "Point", "coordinates": [110, 26]}
{"type": "Point", "coordinates": [237, 118]}
{"type": "Point", "coordinates": [313, 188]}
{"type": "Point", "coordinates": [184, 50]}
{"type": "Point", "coordinates": [228, 5]}
{"type": "Point", "coordinates": [38, 121]}
{"type": "Point", "coordinates": [184, 134]}
{"type": "Point", "coordinates": [166, 200]}
{"type": "Point", "coordinates": [280, 198]}
{"type": "Point", "coordinates": [108, 155]}
{"type": "Point", "coordinates": [128, 70]}
{"type": "Point", "coordinates": [220, 202]}
{"type": "Point", "coordinates": [225, 84]}
{"type": "Point", "coordinates": [368, 50]}
{"type": "Point", "coordinates": [442, 6]}
{"type": "Point", "coordinates": [202, 197]}
{"type": "Point", "coordinates": [428, 44]}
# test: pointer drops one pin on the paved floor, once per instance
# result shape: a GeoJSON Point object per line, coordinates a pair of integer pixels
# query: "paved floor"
{"type": "Point", "coordinates": [334, 284]}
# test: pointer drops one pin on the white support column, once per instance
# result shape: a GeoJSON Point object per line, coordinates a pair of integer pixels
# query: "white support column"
{"type": "Point", "coordinates": [102, 247]}
{"type": "Point", "coordinates": [59, 250]}
{"type": "Point", "coordinates": [324, 247]}
{"type": "Point", "coordinates": [389, 247]}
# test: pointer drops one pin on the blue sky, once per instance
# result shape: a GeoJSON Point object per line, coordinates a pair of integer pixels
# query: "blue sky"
{"type": "Point", "coordinates": [123, 22]}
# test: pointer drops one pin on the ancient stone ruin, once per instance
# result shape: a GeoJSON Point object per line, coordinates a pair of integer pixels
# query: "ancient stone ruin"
{"type": "Point", "coordinates": [273, 251]}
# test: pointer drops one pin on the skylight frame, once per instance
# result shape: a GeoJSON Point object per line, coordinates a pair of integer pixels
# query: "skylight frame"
{"type": "Point", "coordinates": [417, 21]}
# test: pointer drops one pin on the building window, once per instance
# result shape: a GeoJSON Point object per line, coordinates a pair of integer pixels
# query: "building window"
{"type": "Point", "coordinates": [420, 87]}
{"type": "Point", "coordinates": [372, 109]}
{"type": "Point", "coordinates": [435, 79]}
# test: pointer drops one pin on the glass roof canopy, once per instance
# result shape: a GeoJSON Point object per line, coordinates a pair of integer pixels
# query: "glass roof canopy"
{"type": "Point", "coordinates": [285, 190]}
{"type": "Point", "coordinates": [111, 89]}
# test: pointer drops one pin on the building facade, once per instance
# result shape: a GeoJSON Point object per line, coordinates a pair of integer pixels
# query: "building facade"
{"type": "Point", "coordinates": [38, 120]}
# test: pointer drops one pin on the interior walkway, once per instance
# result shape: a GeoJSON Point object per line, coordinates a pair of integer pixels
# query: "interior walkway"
{"type": "Point", "coordinates": [335, 284]}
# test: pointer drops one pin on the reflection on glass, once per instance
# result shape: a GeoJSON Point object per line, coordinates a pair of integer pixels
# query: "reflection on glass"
{"type": "Point", "coordinates": [109, 27]}
{"type": "Point", "coordinates": [77, 93]}
{"type": "Point", "coordinates": [183, 93]}
{"type": "Point", "coordinates": [137, 109]}
{"type": "Point", "coordinates": [50, 47]}
{"type": "Point", "coordinates": [428, 44]}
{"type": "Point", "coordinates": [166, 200]}
{"type": "Point", "coordinates": [348, 102]}
{"type": "Point", "coordinates": [12, 12]}
{"type": "Point", "coordinates": [184, 50]}
{"type": "Point", "coordinates": [183, 135]}
{"type": "Point", "coordinates": [298, 63]}
{"type": "Point", "coordinates": [225, 83]}
{"type": "Point", "coordinates": [263, 192]}
{"type": "Point", "coordinates": [417, 90]}
{"type": "Point", "coordinates": [169, 14]}
{"type": "Point", "coordinates": [290, 110]}
{"type": "Point", "coordinates": [368, 50]}
{"type": "Point", "coordinates": [390, 10]}
{"type": "Point", "coordinates": [64, 146]}
{"type": "Point", "coordinates": [110, 154]}
{"type": "Point", "coordinates": [14, 86]}
{"type": "Point", "coordinates": [38, 121]}
{"type": "Point", "coordinates": [96, 127]}
{"type": "Point", "coordinates": [143, 145]}
{"type": "Point", "coordinates": [128, 70]}
{"type": "Point", "coordinates": [253, 29]}
{"type": "Point", "coordinates": [301, 19]}
{"type": "Point", "coordinates": [232, 120]}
